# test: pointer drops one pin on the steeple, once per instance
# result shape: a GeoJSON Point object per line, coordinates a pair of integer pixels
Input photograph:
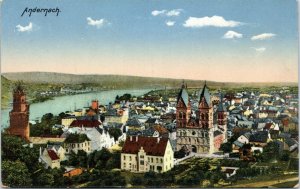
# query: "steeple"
{"type": "Point", "coordinates": [220, 106]}
{"type": "Point", "coordinates": [205, 93]}
{"type": "Point", "coordinates": [183, 107]}
{"type": "Point", "coordinates": [183, 86]}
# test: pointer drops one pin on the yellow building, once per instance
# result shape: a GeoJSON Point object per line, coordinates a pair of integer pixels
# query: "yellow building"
{"type": "Point", "coordinates": [67, 121]}
{"type": "Point", "coordinates": [76, 142]}
{"type": "Point", "coordinates": [143, 154]}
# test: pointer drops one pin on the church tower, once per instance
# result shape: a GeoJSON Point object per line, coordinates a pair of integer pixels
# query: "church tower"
{"type": "Point", "coordinates": [19, 115]}
{"type": "Point", "coordinates": [205, 109]}
{"type": "Point", "coordinates": [222, 118]}
{"type": "Point", "coordinates": [195, 134]}
{"type": "Point", "coordinates": [183, 108]}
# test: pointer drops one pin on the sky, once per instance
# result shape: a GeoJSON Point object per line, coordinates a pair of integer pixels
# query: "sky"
{"type": "Point", "coordinates": [218, 40]}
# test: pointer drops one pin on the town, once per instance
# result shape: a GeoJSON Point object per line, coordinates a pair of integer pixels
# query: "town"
{"type": "Point", "coordinates": [182, 137]}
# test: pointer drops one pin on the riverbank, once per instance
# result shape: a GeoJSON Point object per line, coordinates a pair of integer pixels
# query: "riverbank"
{"type": "Point", "coordinates": [71, 102]}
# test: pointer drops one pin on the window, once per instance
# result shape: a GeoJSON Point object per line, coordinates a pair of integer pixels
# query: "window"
{"type": "Point", "coordinates": [124, 157]}
{"type": "Point", "coordinates": [151, 160]}
{"type": "Point", "coordinates": [193, 133]}
{"type": "Point", "coordinates": [156, 160]}
{"type": "Point", "coordinates": [161, 160]}
{"type": "Point", "coordinates": [142, 162]}
{"type": "Point", "coordinates": [141, 156]}
{"type": "Point", "coordinates": [130, 158]}
{"type": "Point", "coordinates": [124, 165]}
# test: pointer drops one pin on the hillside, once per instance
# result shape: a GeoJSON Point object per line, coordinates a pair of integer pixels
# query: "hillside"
{"type": "Point", "coordinates": [5, 88]}
{"type": "Point", "coordinates": [120, 81]}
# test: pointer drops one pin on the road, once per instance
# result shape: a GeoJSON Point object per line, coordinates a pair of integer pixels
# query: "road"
{"type": "Point", "coordinates": [263, 183]}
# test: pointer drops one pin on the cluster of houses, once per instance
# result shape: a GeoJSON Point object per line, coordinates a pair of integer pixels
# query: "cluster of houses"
{"type": "Point", "coordinates": [149, 123]}
{"type": "Point", "coordinates": [258, 118]}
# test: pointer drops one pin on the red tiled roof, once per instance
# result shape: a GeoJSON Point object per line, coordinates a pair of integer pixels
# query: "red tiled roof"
{"type": "Point", "coordinates": [149, 144]}
{"type": "Point", "coordinates": [268, 125]}
{"type": "Point", "coordinates": [52, 155]}
{"type": "Point", "coordinates": [85, 123]}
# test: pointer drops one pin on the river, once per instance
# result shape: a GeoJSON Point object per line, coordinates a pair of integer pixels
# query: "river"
{"type": "Point", "coordinates": [70, 103]}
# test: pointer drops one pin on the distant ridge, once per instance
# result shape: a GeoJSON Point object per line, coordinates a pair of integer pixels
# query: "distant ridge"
{"type": "Point", "coordinates": [123, 80]}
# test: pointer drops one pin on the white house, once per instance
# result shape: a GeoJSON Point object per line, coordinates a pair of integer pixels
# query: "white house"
{"type": "Point", "coordinates": [99, 138]}
{"type": "Point", "coordinates": [49, 158]}
{"type": "Point", "coordinates": [59, 150]}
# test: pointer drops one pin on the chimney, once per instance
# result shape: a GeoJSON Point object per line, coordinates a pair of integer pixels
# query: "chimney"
{"type": "Point", "coordinates": [158, 139]}
{"type": "Point", "coordinates": [130, 138]}
{"type": "Point", "coordinates": [136, 138]}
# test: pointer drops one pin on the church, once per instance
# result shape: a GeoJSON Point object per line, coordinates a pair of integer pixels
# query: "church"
{"type": "Point", "coordinates": [201, 129]}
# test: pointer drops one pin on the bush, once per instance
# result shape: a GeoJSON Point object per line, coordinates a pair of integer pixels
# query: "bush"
{"type": "Point", "coordinates": [136, 181]}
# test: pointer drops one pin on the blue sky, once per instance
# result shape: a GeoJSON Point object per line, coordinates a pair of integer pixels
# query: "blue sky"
{"type": "Point", "coordinates": [177, 39]}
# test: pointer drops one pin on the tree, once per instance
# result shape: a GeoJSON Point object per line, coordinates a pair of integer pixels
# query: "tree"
{"type": "Point", "coordinates": [226, 147]}
{"type": "Point", "coordinates": [136, 180]}
{"type": "Point", "coordinates": [101, 157]}
{"type": "Point", "coordinates": [115, 132]}
{"type": "Point", "coordinates": [285, 156]}
{"type": "Point", "coordinates": [82, 158]}
{"type": "Point", "coordinates": [44, 179]}
{"type": "Point", "coordinates": [179, 154]}
{"type": "Point", "coordinates": [114, 161]}
{"type": "Point", "coordinates": [13, 149]}
{"type": "Point", "coordinates": [270, 150]}
{"type": "Point", "coordinates": [15, 174]}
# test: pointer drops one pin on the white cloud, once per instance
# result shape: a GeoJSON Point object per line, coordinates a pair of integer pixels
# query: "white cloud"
{"type": "Point", "coordinates": [157, 12]}
{"type": "Point", "coordinates": [260, 50]}
{"type": "Point", "coordinates": [263, 36]}
{"type": "Point", "coordinates": [174, 12]}
{"type": "Point", "coordinates": [215, 21]}
{"type": "Point", "coordinates": [232, 35]}
{"type": "Point", "coordinates": [25, 28]}
{"type": "Point", "coordinates": [98, 23]}
{"type": "Point", "coordinates": [170, 23]}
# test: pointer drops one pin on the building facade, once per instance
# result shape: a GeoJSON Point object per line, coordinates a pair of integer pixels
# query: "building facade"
{"type": "Point", "coordinates": [143, 154]}
{"type": "Point", "coordinates": [49, 158]}
{"type": "Point", "coordinates": [19, 115]}
{"type": "Point", "coordinates": [199, 133]}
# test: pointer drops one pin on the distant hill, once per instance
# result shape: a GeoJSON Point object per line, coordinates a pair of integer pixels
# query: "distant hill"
{"type": "Point", "coordinates": [121, 81]}
{"type": "Point", "coordinates": [5, 88]}
{"type": "Point", "coordinates": [36, 82]}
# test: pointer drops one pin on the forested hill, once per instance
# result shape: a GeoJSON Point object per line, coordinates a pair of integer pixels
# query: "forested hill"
{"type": "Point", "coordinates": [121, 81]}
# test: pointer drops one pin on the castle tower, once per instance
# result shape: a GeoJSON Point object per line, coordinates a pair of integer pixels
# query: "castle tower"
{"type": "Point", "coordinates": [19, 115]}
{"type": "Point", "coordinates": [222, 118]}
{"type": "Point", "coordinates": [183, 108]}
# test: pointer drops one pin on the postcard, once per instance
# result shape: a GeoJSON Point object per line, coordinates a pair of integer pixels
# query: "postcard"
{"type": "Point", "coordinates": [149, 93]}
